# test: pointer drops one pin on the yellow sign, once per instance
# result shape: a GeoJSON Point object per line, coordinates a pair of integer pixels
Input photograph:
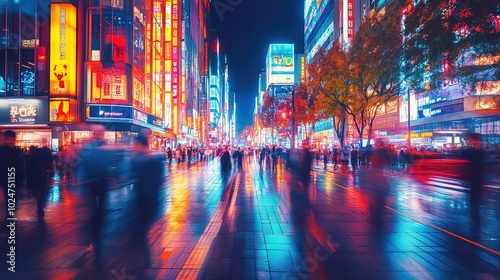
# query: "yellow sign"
{"type": "Point", "coordinates": [62, 50]}
{"type": "Point", "coordinates": [59, 111]}
{"type": "Point", "coordinates": [303, 69]}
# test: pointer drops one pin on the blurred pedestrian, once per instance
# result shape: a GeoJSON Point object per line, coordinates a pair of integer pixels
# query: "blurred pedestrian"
{"type": "Point", "coordinates": [169, 156]}
{"type": "Point", "coordinates": [262, 155]}
{"type": "Point", "coordinates": [306, 160]}
{"type": "Point", "coordinates": [237, 157]}
{"type": "Point", "coordinates": [148, 171]}
{"type": "Point", "coordinates": [335, 157]}
{"type": "Point", "coordinates": [376, 182]}
{"type": "Point", "coordinates": [326, 154]}
{"type": "Point", "coordinates": [9, 168]}
{"type": "Point", "coordinates": [354, 158]}
{"type": "Point", "coordinates": [474, 172]}
{"type": "Point", "coordinates": [43, 166]}
{"type": "Point", "coordinates": [274, 156]}
{"type": "Point", "coordinates": [96, 167]}
{"type": "Point", "coordinates": [225, 161]}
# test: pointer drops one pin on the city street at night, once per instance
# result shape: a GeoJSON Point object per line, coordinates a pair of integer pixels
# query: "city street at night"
{"type": "Point", "coordinates": [260, 224]}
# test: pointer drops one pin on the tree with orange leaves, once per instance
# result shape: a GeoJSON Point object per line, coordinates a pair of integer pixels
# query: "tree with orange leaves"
{"type": "Point", "coordinates": [359, 79]}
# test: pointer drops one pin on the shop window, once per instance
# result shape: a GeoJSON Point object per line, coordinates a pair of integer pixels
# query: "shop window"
{"type": "Point", "coordinates": [12, 73]}
{"type": "Point", "coordinates": [115, 35]}
{"type": "Point", "coordinates": [27, 73]}
{"type": "Point", "coordinates": [3, 22]}
{"type": "Point", "coordinates": [13, 24]}
{"type": "Point", "coordinates": [2, 72]}
{"type": "Point", "coordinates": [27, 22]}
{"type": "Point", "coordinates": [95, 35]}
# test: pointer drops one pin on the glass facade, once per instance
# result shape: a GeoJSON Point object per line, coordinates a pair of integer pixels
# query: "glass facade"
{"type": "Point", "coordinates": [125, 47]}
{"type": "Point", "coordinates": [24, 38]}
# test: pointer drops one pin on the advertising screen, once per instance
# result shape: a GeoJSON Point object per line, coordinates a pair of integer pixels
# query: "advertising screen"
{"type": "Point", "coordinates": [313, 11]}
{"type": "Point", "coordinates": [109, 111]}
{"type": "Point", "coordinates": [63, 50]}
{"type": "Point", "coordinates": [23, 111]}
{"type": "Point", "coordinates": [109, 84]}
{"type": "Point", "coordinates": [63, 110]}
{"type": "Point", "coordinates": [280, 64]}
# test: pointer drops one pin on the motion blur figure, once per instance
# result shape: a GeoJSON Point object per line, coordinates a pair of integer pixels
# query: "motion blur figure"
{"type": "Point", "coordinates": [306, 163]}
{"type": "Point", "coordinates": [376, 183]}
{"type": "Point", "coordinates": [9, 164]}
{"type": "Point", "coordinates": [148, 173]}
{"type": "Point", "coordinates": [95, 163]}
{"type": "Point", "coordinates": [225, 161]}
{"type": "Point", "coordinates": [474, 173]}
{"type": "Point", "coordinates": [43, 165]}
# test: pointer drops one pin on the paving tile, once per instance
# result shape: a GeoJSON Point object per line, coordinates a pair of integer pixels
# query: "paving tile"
{"type": "Point", "coordinates": [268, 234]}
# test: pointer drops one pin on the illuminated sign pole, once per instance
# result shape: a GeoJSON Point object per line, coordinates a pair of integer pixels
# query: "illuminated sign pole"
{"type": "Point", "coordinates": [409, 120]}
{"type": "Point", "coordinates": [62, 62]}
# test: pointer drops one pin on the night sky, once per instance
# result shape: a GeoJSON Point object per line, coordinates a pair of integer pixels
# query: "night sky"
{"type": "Point", "coordinates": [245, 32]}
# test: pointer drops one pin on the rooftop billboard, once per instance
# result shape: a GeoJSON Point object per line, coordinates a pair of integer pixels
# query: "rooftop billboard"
{"type": "Point", "coordinates": [280, 64]}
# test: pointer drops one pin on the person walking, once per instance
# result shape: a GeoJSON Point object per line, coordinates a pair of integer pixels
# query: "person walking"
{"type": "Point", "coordinates": [354, 158]}
{"type": "Point", "coordinates": [148, 176]}
{"type": "Point", "coordinates": [169, 156]}
{"type": "Point", "coordinates": [9, 168]}
{"type": "Point", "coordinates": [43, 165]}
{"type": "Point", "coordinates": [225, 161]}
{"type": "Point", "coordinates": [326, 154]}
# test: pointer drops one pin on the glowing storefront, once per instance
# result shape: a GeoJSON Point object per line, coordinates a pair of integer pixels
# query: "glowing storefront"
{"type": "Point", "coordinates": [24, 71]}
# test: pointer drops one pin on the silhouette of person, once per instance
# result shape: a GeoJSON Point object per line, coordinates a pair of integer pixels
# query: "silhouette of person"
{"type": "Point", "coordinates": [306, 160]}
{"type": "Point", "coordinates": [376, 183]}
{"type": "Point", "coordinates": [148, 173]}
{"type": "Point", "coordinates": [43, 164]}
{"type": "Point", "coordinates": [225, 160]}
{"type": "Point", "coordinates": [474, 174]}
{"type": "Point", "coordinates": [169, 156]}
{"type": "Point", "coordinates": [95, 165]}
{"type": "Point", "coordinates": [9, 167]}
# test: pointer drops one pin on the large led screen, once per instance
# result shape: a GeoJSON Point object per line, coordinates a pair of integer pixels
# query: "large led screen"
{"type": "Point", "coordinates": [280, 64]}
{"type": "Point", "coordinates": [63, 50]}
{"type": "Point", "coordinates": [313, 11]}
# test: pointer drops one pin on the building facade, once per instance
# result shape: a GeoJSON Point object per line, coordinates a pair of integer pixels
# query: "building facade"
{"type": "Point", "coordinates": [133, 66]}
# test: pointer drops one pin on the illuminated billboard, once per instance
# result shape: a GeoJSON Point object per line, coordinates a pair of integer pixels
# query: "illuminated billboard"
{"type": "Point", "coordinates": [63, 50]}
{"type": "Point", "coordinates": [313, 11]}
{"type": "Point", "coordinates": [109, 84]}
{"type": "Point", "coordinates": [23, 111]}
{"type": "Point", "coordinates": [62, 110]}
{"type": "Point", "coordinates": [280, 64]}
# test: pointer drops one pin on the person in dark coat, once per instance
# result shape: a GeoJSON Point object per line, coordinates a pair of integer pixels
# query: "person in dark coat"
{"type": "Point", "coordinates": [238, 157]}
{"type": "Point", "coordinates": [43, 165]}
{"type": "Point", "coordinates": [474, 172]}
{"type": "Point", "coordinates": [149, 174]}
{"type": "Point", "coordinates": [354, 158]}
{"type": "Point", "coordinates": [169, 156]}
{"type": "Point", "coordinates": [306, 160]}
{"type": "Point", "coordinates": [225, 161]}
{"type": "Point", "coordinates": [9, 168]}
{"type": "Point", "coordinates": [95, 161]}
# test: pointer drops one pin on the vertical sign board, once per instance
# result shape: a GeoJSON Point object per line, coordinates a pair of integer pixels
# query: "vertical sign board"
{"type": "Point", "coordinates": [350, 18]}
{"type": "Point", "coordinates": [63, 50]}
{"type": "Point", "coordinates": [302, 69]}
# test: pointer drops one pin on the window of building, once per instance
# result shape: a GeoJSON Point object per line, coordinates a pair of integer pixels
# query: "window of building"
{"type": "Point", "coordinates": [27, 72]}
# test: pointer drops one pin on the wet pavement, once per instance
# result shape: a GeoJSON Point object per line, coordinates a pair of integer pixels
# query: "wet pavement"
{"type": "Point", "coordinates": [259, 224]}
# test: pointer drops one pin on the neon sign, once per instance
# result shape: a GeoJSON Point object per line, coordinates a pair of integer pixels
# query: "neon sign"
{"type": "Point", "coordinates": [63, 49]}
